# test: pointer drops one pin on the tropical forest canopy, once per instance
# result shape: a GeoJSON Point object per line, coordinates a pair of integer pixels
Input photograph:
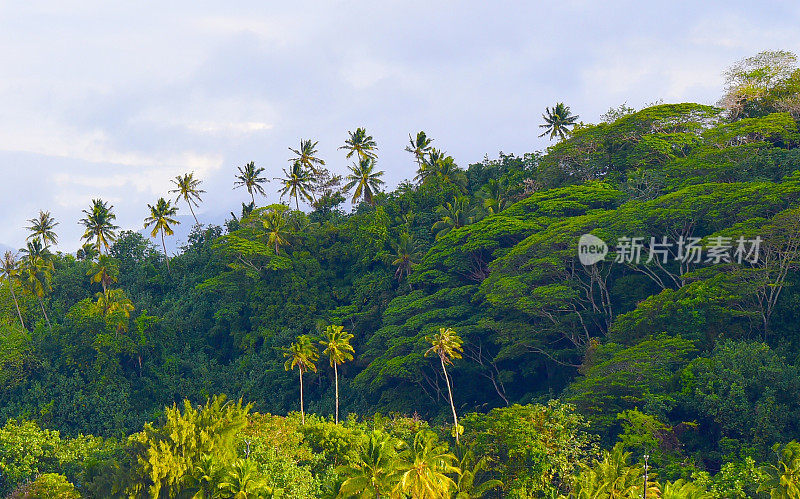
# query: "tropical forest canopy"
{"type": "Point", "coordinates": [440, 339]}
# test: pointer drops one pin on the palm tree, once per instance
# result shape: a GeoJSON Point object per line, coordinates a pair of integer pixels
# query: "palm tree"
{"type": "Point", "coordinates": [361, 144]}
{"type": "Point", "coordinates": [425, 468]}
{"type": "Point", "coordinates": [303, 355]}
{"type": "Point", "coordinates": [558, 121]}
{"type": "Point", "coordinates": [188, 189]}
{"type": "Point", "coordinates": [446, 170]}
{"type": "Point", "coordinates": [611, 476]}
{"type": "Point", "coordinates": [87, 252]}
{"type": "Point", "coordinates": [99, 223]}
{"type": "Point", "coordinates": [105, 271]}
{"type": "Point", "coordinates": [205, 477]}
{"type": "Point", "coordinates": [36, 249]}
{"type": "Point", "coordinates": [115, 306]}
{"type": "Point", "coordinates": [681, 489]}
{"type": "Point", "coordinates": [447, 345]}
{"type": "Point", "coordinates": [494, 197]}
{"type": "Point", "coordinates": [428, 164]}
{"type": "Point", "coordinates": [307, 156]}
{"type": "Point", "coordinates": [419, 147]}
{"type": "Point", "coordinates": [374, 472]}
{"type": "Point", "coordinates": [275, 223]}
{"type": "Point", "coordinates": [10, 269]}
{"type": "Point", "coordinates": [783, 480]}
{"type": "Point", "coordinates": [364, 179]}
{"type": "Point", "coordinates": [37, 267]}
{"type": "Point", "coordinates": [250, 177]}
{"type": "Point", "coordinates": [338, 349]}
{"type": "Point", "coordinates": [469, 483]}
{"type": "Point", "coordinates": [297, 183]}
{"type": "Point", "coordinates": [454, 215]}
{"type": "Point", "coordinates": [245, 480]}
{"type": "Point", "coordinates": [160, 218]}
{"type": "Point", "coordinates": [406, 256]}
{"type": "Point", "coordinates": [43, 228]}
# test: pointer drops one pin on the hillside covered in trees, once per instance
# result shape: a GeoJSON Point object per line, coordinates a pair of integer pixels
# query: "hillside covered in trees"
{"type": "Point", "coordinates": [442, 339]}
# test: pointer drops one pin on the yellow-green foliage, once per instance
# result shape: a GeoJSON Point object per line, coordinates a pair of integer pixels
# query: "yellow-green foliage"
{"type": "Point", "coordinates": [168, 454]}
{"type": "Point", "coordinates": [47, 486]}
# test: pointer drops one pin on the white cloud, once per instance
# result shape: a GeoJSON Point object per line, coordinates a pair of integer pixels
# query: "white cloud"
{"type": "Point", "coordinates": [112, 100]}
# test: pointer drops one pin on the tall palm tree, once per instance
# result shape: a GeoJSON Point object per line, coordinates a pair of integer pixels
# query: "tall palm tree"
{"type": "Point", "coordinates": [558, 121]}
{"type": "Point", "coordinates": [10, 269]}
{"type": "Point", "coordinates": [447, 345]}
{"type": "Point", "coordinates": [365, 179]}
{"type": "Point", "coordinates": [338, 349]}
{"type": "Point", "coordinates": [99, 223]}
{"type": "Point", "coordinates": [425, 469]}
{"type": "Point", "coordinates": [453, 215]}
{"type": "Point", "coordinates": [307, 156]}
{"type": "Point", "coordinates": [161, 219]}
{"type": "Point", "coordinates": [419, 146]}
{"type": "Point", "coordinates": [250, 178]}
{"type": "Point", "coordinates": [37, 268]}
{"type": "Point", "coordinates": [303, 355]}
{"type": "Point", "coordinates": [188, 189]}
{"type": "Point", "coordinates": [361, 144]}
{"type": "Point", "coordinates": [105, 271]}
{"type": "Point", "coordinates": [406, 256]}
{"type": "Point", "coordinates": [297, 183]}
{"type": "Point", "coordinates": [43, 228]}
{"type": "Point", "coordinates": [374, 472]}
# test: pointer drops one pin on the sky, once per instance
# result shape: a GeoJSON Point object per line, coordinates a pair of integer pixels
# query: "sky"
{"type": "Point", "coordinates": [113, 99]}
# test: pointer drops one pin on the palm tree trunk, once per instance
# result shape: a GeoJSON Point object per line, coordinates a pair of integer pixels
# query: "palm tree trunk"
{"type": "Point", "coordinates": [196, 222]}
{"type": "Point", "coordinates": [336, 377]}
{"type": "Point", "coordinates": [164, 245]}
{"type": "Point", "coordinates": [296, 202]}
{"type": "Point", "coordinates": [302, 411]}
{"type": "Point", "coordinates": [253, 197]}
{"type": "Point", "coordinates": [41, 304]}
{"type": "Point", "coordinates": [16, 303]}
{"type": "Point", "coordinates": [450, 393]}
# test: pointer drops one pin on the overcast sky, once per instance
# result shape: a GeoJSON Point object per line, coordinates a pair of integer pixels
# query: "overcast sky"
{"type": "Point", "coordinates": [112, 99]}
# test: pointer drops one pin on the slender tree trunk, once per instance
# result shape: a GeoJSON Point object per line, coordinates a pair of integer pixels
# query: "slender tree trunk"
{"type": "Point", "coordinates": [164, 245]}
{"type": "Point", "coordinates": [296, 202]}
{"type": "Point", "coordinates": [253, 197]}
{"type": "Point", "coordinates": [41, 304]}
{"type": "Point", "coordinates": [336, 377]}
{"type": "Point", "coordinates": [196, 222]}
{"type": "Point", "coordinates": [450, 393]}
{"type": "Point", "coordinates": [16, 303]}
{"type": "Point", "coordinates": [302, 411]}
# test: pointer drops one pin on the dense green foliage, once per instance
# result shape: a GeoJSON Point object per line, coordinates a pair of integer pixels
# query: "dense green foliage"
{"type": "Point", "coordinates": [456, 303]}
